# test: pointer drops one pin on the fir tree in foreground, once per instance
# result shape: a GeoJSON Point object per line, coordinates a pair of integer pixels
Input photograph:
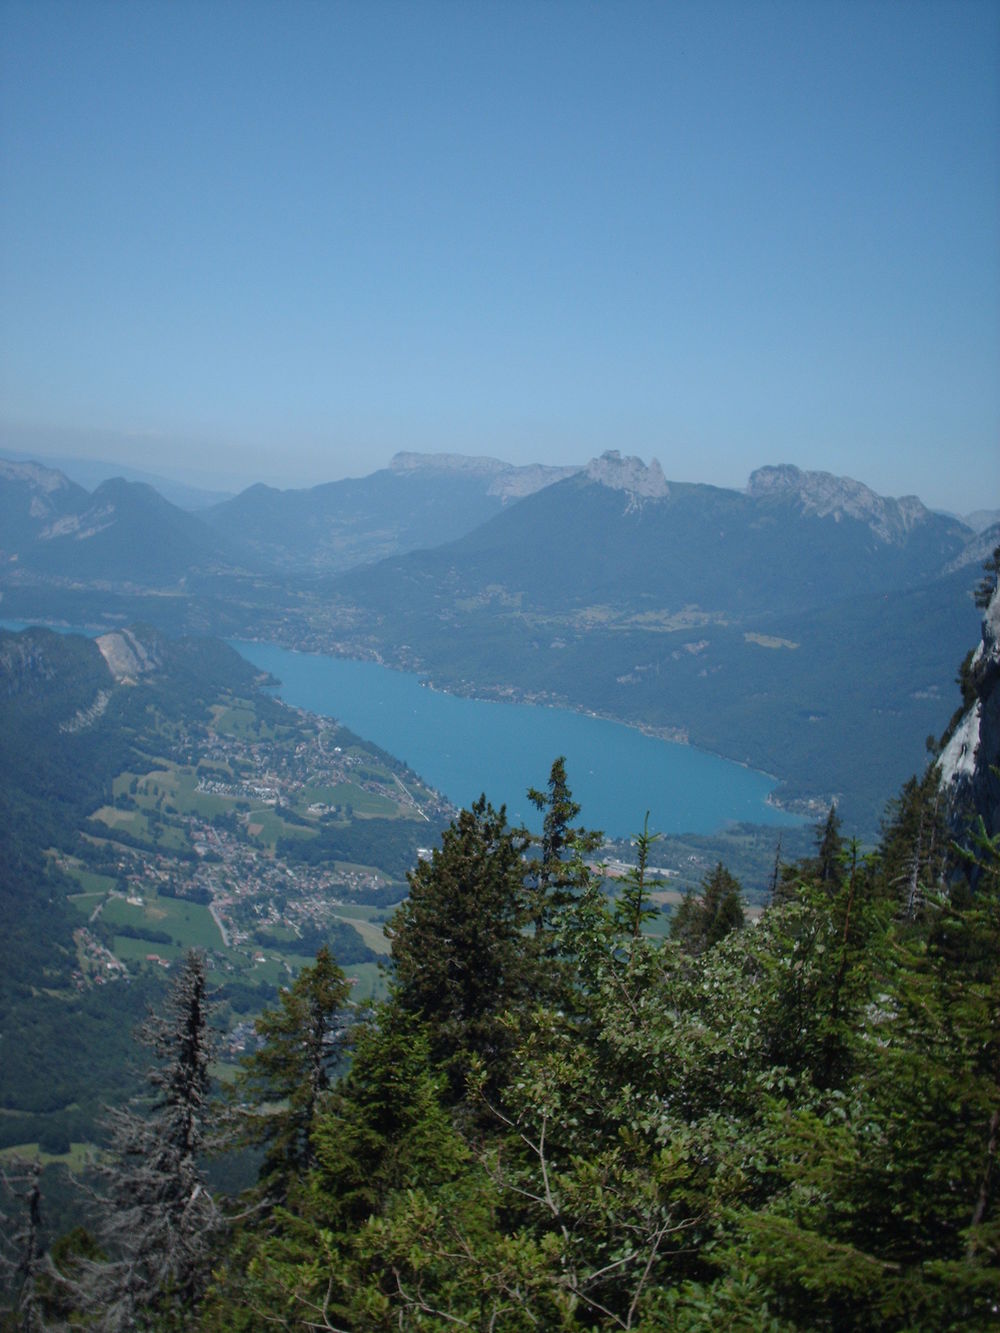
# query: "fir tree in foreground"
{"type": "Point", "coordinates": [156, 1221]}
{"type": "Point", "coordinates": [459, 958]}
{"type": "Point", "coordinates": [283, 1082]}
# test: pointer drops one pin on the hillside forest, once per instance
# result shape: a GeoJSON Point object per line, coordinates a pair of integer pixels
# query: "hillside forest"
{"type": "Point", "coordinates": [555, 1120]}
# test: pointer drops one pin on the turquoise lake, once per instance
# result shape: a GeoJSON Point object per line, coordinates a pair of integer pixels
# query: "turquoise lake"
{"type": "Point", "coordinates": [467, 746]}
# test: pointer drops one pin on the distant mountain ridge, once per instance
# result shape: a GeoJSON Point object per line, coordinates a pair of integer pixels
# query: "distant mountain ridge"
{"type": "Point", "coordinates": [419, 500]}
{"type": "Point", "coordinates": [791, 541]}
{"type": "Point", "coordinates": [825, 495]}
{"type": "Point", "coordinates": [509, 481]}
{"type": "Point", "coordinates": [32, 498]}
{"type": "Point", "coordinates": [123, 532]}
{"type": "Point", "coordinates": [127, 531]}
{"type": "Point", "coordinates": [786, 625]}
{"type": "Point", "coordinates": [90, 472]}
{"type": "Point", "coordinates": [789, 625]}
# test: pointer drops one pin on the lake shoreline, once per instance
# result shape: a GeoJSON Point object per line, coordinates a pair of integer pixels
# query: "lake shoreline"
{"type": "Point", "coordinates": [709, 801]}
{"type": "Point", "coordinates": [511, 694]}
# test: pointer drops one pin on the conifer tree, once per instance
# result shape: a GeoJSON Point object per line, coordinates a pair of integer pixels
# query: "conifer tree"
{"type": "Point", "coordinates": [829, 866]}
{"type": "Point", "coordinates": [915, 845]}
{"type": "Point", "coordinates": [633, 905]}
{"type": "Point", "coordinates": [21, 1254]}
{"type": "Point", "coordinates": [458, 952]}
{"type": "Point", "coordinates": [701, 922]}
{"type": "Point", "coordinates": [157, 1220]}
{"type": "Point", "coordinates": [302, 1040]}
{"type": "Point", "coordinates": [558, 874]}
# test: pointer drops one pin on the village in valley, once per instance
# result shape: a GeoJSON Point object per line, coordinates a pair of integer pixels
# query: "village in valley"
{"type": "Point", "coordinates": [212, 846]}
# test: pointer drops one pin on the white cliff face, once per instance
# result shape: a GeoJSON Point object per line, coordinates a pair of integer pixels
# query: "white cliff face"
{"type": "Point", "coordinates": [80, 526]}
{"type": "Point", "coordinates": [957, 763]}
{"type": "Point", "coordinates": [823, 494]}
{"type": "Point", "coordinates": [628, 474]}
{"type": "Point", "coordinates": [126, 655]}
{"type": "Point", "coordinates": [517, 482]}
{"type": "Point", "coordinates": [44, 479]}
{"type": "Point", "coordinates": [977, 551]}
{"type": "Point", "coordinates": [970, 761]}
{"type": "Point", "coordinates": [411, 462]}
{"type": "Point", "coordinates": [509, 481]}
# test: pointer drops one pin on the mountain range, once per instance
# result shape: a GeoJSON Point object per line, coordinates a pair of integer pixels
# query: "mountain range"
{"type": "Point", "coordinates": [805, 625]}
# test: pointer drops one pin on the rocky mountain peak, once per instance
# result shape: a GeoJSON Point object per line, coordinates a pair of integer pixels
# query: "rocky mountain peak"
{"type": "Point", "coordinates": [628, 474]}
{"type": "Point", "coordinates": [463, 463]}
{"type": "Point", "coordinates": [509, 481]}
{"type": "Point", "coordinates": [517, 482]}
{"type": "Point", "coordinates": [823, 494]}
{"type": "Point", "coordinates": [44, 479]}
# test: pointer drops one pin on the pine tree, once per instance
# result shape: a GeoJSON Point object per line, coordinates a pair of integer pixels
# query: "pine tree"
{"type": "Point", "coordinates": [829, 865]}
{"type": "Point", "coordinates": [21, 1254]}
{"type": "Point", "coordinates": [458, 952]}
{"type": "Point", "coordinates": [302, 1040]}
{"type": "Point", "coordinates": [915, 845]}
{"type": "Point", "coordinates": [558, 873]}
{"type": "Point", "coordinates": [633, 905]}
{"type": "Point", "coordinates": [701, 922]}
{"type": "Point", "coordinates": [157, 1220]}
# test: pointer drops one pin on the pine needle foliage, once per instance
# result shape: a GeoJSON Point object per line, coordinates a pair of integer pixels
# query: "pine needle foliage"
{"type": "Point", "coordinates": [282, 1083]}
{"type": "Point", "coordinates": [156, 1219]}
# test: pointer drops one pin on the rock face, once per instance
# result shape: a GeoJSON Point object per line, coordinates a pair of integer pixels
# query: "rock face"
{"type": "Point", "coordinates": [628, 474]}
{"type": "Point", "coordinates": [32, 498]}
{"type": "Point", "coordinates": [126, 655]}
{"type": "Point", "coordinates": [977, 551]}
{"type": "Point", "coordinates": [43, 479]}
{"type": "Point", "coordinates": [508, 480]}
{"type": "Point", "coordinates": [517, 482]}
{"type": "Point", "coordinates": [824, 494]}
{"type": "Point", "coordinates": [970, 760]}
{"type": "Point", "coordinates": [413, 462]}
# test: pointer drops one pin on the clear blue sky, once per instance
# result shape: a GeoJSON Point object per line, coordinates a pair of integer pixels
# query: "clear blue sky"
{"type": "Point", "coordinates": [285, 240]}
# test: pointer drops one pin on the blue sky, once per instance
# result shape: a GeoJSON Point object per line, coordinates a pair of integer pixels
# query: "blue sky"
{"type": "Point", "coordinates": [285, 240]}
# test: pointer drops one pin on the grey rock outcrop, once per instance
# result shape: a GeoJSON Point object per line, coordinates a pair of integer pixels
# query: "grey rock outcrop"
{"type": "Point", "coordinates": [413, 462]}
{"type": "Point", "coordinates": [127, 656]}
{"type": "Point", "coordinates": [978, 549]}
{"type": "Point", "coordinates": [629, 474]}
{"type": "Point", "coordinates": [509, 481]}
{"type": "Point", "coordinates": [517, 482]}
{"type": "Point", "coordinates": [823, 494]}
{"type": "Point", "coordinates": [970, 761]}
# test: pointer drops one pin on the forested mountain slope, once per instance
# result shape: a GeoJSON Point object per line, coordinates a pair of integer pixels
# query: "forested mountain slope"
{"type": "Point", "coordinates": [419, 500]}
{"type": "Point", "coordinates": [152, 798]}
{"type": "Point", "coordinates": [620, 542]}
{"type": "Point", "coordinates": [807, 626]}
{"type": "Point", "coordinates": [557, 1121]}
{"type": "Point", "coordinates": [786, 626]}
{"type": "Point", "coordinates": [124, 533]}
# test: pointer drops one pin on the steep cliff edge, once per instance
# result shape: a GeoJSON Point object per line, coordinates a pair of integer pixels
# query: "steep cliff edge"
{"type": "Point", "coordinates": [970, 761]}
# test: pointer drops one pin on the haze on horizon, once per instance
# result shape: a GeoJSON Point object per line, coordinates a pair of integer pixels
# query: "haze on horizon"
{"type": "Point", "coordinates": [282, 242]}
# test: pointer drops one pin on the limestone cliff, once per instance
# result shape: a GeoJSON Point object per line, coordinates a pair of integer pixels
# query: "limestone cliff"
{"type": "Point", "coordinates": [628, 474]}
{"type": "Point", "coordinates": [508, 481]}
{"type": "Point", "coordinates": [970, 761]}
{"type": "Point", "coordinates": [127, 656]}
{"type": "Point", "coordinates": [825, 495]}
